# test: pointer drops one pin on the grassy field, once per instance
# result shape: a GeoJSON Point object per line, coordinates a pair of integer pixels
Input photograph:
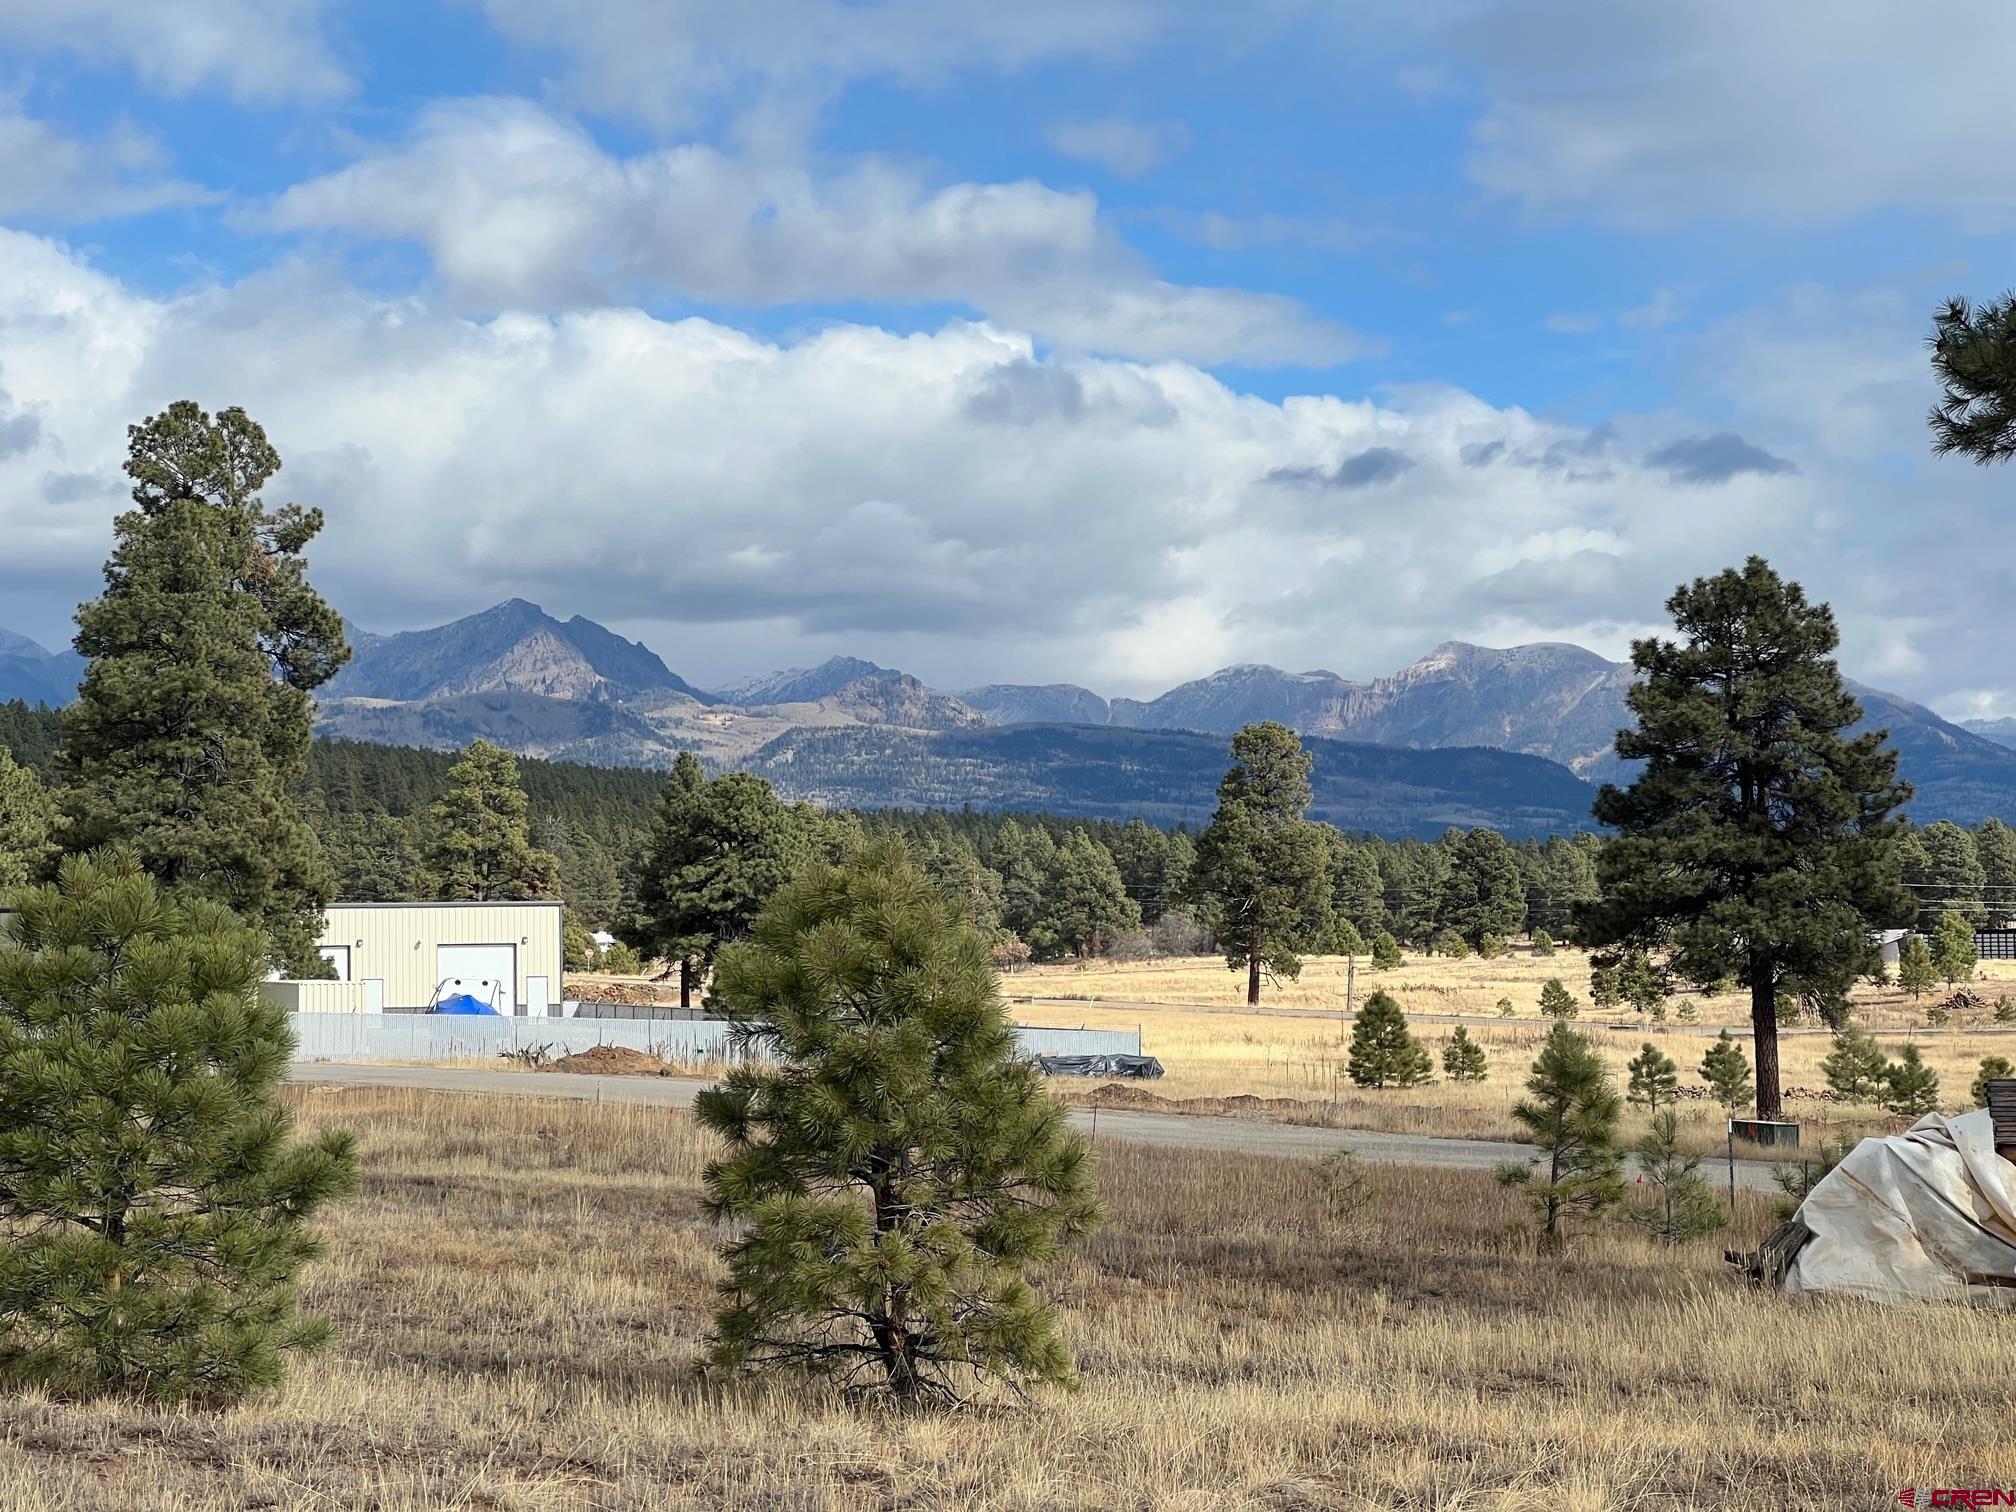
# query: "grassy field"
{"type": "Point", "coordinates": [1300, 1056]}
{"type": "Point", "coordinates": [1436, 984]}
{"type": "Point", "coordinates": [521, 1290]}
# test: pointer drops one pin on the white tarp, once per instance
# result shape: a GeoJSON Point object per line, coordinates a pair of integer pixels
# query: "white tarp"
{"type": "Point", "coordinates": [1929, 1214]}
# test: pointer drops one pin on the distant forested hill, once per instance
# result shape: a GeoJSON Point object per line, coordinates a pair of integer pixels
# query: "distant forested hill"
{"type": "Point", "coordinates": [1167, 776]}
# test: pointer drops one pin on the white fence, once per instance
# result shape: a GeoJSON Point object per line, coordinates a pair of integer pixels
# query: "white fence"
{"type": "Point", "coordinates": [437, 1037]}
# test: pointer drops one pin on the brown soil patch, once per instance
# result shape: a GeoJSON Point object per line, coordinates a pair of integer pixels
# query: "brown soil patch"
{"type": "Point", "coordinates": [610, 1060]}
{"type": "Point", "coordinates": [1243, 1105]}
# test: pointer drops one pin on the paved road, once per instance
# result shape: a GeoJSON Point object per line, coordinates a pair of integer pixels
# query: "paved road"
{"type": "Point", "coordinates": [1173, 1130]}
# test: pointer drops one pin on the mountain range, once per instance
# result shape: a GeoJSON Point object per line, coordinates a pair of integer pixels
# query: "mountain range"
{"type": "Point", "coordinates": [1513, 738]}
{"type": "Point", "coordinates": [36, 675]}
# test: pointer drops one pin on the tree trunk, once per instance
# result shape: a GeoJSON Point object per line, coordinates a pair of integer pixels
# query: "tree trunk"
{"type": "Point", "coordinates": [1253, 964]}
{"type": "Point", "coordinates": [1764, 1028]}
{"type": "Point", "coordinates": [685, 981]}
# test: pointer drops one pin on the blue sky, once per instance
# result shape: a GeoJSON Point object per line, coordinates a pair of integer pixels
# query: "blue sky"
{"type": "Point", "coordinates": [1105, 341]}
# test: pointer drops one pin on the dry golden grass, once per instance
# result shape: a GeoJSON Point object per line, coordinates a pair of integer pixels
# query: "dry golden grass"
{"type": "Point", "coordinates": [521, 1290]}
{"type": "Point", "coordinates": [1435, 984]}
{"type": "Point", "coordinates": [1303, 1057]}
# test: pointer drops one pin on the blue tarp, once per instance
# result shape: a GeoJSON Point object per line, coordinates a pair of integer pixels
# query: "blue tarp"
{"type": "Point", "coordinates": [463, 1003]}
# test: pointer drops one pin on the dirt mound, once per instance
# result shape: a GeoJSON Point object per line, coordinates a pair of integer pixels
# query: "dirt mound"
{"type": "Point", "coordinates": [587, 989]}
{"type": "Point", "coordinates": [1140, 1099]}
{"type": "Point", "coordinates": [610, 1060]}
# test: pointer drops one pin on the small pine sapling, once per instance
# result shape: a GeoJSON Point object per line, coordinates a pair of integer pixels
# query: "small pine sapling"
{"type": "Point", "coordinates": [1463, 1058]}
{"type": "Point", "coordinates": [1913, 1086]}
{"type": "Point", "coordinates": [1383, 1053]}
{"type": "Point", "coordinates": [1655, 1079]}
{"type": "Point", "coordinates": [1683, 1207]}
{"type": "Point", "coordinates": [1572, 1112]}
{"type": "Point", "coordinates": [1726, 1069]}
{"type": "Point", "coordinates": [1556, 1001]}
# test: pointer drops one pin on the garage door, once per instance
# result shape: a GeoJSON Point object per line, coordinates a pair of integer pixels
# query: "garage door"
{"type": "Point", "coordinates": [488, 973]}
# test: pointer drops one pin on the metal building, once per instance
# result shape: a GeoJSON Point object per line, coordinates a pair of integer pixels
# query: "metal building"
{"type": "Point", "coordinates": [402, 957]}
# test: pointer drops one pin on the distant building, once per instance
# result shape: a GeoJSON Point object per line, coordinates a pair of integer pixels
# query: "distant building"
{"type": "Point", "coordinates": [404, 957]}
{"type": "Point", "coordinates": [1889, 944]}
{"type": "Point", "coordinates": [603, 940]}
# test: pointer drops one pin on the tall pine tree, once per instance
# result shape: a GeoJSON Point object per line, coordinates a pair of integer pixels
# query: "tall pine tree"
{"type": "Point", "coordinates": [1262, 871]}
{"type": "Point", "coordinates": [718, 852]}
{"type": "Point", "coordinates": [895, 1165]}
{"type": "Point", "coordinates": [1757, 840]}
{"type": "Point", "coordinates": [189, 738]}
{"type": "Point", "coordinates": [154, 1202]}
{"type": "Point", "coordinates": [27, 821]}
{"type": "Point", "coordinates": [479, 842]}
{"type": "Point", "coordinates": [478, 837]}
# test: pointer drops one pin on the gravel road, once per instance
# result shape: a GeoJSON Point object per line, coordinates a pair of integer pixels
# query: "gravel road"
{"type": "Point", "coordinates": [1172, 1130]}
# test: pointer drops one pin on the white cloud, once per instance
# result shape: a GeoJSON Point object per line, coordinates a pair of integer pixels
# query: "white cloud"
{"type": "Point", "coordinates": [1120, 146]}
{"type": "Point", "coordinates": [664, 61]}
{"type": "Point", "coordinates": [260, 51]}
{"type": "Point", "coordinates": [1655, 115]}
{"type": "Point", "coordinates": [46, 174]}
{"type": "Point", "coordinates": [519, 206]}
{"type": "Point", "coordinates": [1573, 325]}
{"type": "Point", "coordinates": [1667, 306]}
{"type": "Point", "coordinates": [953, 502]}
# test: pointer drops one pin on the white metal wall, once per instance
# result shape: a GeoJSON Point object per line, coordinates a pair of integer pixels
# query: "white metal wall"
{"type": "Point", "coordinates": [399, 944]}
{"type": "Point", "coordinates": [317, 999]}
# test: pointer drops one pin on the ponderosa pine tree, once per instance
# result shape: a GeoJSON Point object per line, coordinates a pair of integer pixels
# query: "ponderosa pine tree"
{"type": "Point", "coordinates": [1726, 1069]}
{"type": "Point", "coordinates": [1758, 834]}
{"type": "Point", "coordinates": [1463, 1058]}
{"type": "Point", "coordinates": [478, 844]}
{"type": "Point", "coordinates": [1974, 359]}
{"type": "Point", "coordinates": [719, 851]}
{"type": "Point", "coordinates": [1483, 895]}
{"type": "Point", "coordinates": [1262, 872]}
{"type": "Point", "coordinates": [1856, 1069]}
{"type": "Point", "coordinates": [27, 820]}
{"type": "Point", "coordinates": [1383, 1052]}
{"type": "Point", "coordinates": [188, 741]}
{"type": "Point", "coordinates": [1543, 944]}
{"type": "Point", "coordinates": [154, 1202]}
{"type": "Point", "coordinates": [1683, 1207]}
{"type": "Point", "coordinates": [1942, 867]}
{"type": "Point", "coordinates": [1571, 1110]}
{"type": "Point", "coordinates": [1993, 1068]}
{"type": "Point", "coordinates": [1085, 904]}
{"type": "Point", "coordinates": [1385, 952]}
{"type": "Point", "coordinates": [895, 1163]}
{"type": "Point", "coordinates": [1556, 1001]}
{"type": "Point", "coordinates": [971, 890]}
{"type": "Point", "coordinates": [1917, 972]}
{"type": "Point", "coordinates": [1913, 1086]}
{"type": "Point", "coordinates": [1654, 1079]}
{"type": "Point", "coordinates": [1995, 849]}
{"type": "Point", "coordinates": [1953, 952]}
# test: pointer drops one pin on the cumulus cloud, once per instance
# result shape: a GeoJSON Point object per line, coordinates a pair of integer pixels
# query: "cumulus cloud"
{"type": "Point", "coordinates": [259, 51]}
{"type": "Point", "coordinates": [518, 206]}
{"type": "Point", "coordinates": [661, 60]}
{"type": "Point", "coordinates": [957, 501]}
{"type": "Point", "coordinates": [1122, 147]}
{"type": "Point", "coordinates": [46, 174]}
{"type": "Point", "coordinates": [1654, 115]}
